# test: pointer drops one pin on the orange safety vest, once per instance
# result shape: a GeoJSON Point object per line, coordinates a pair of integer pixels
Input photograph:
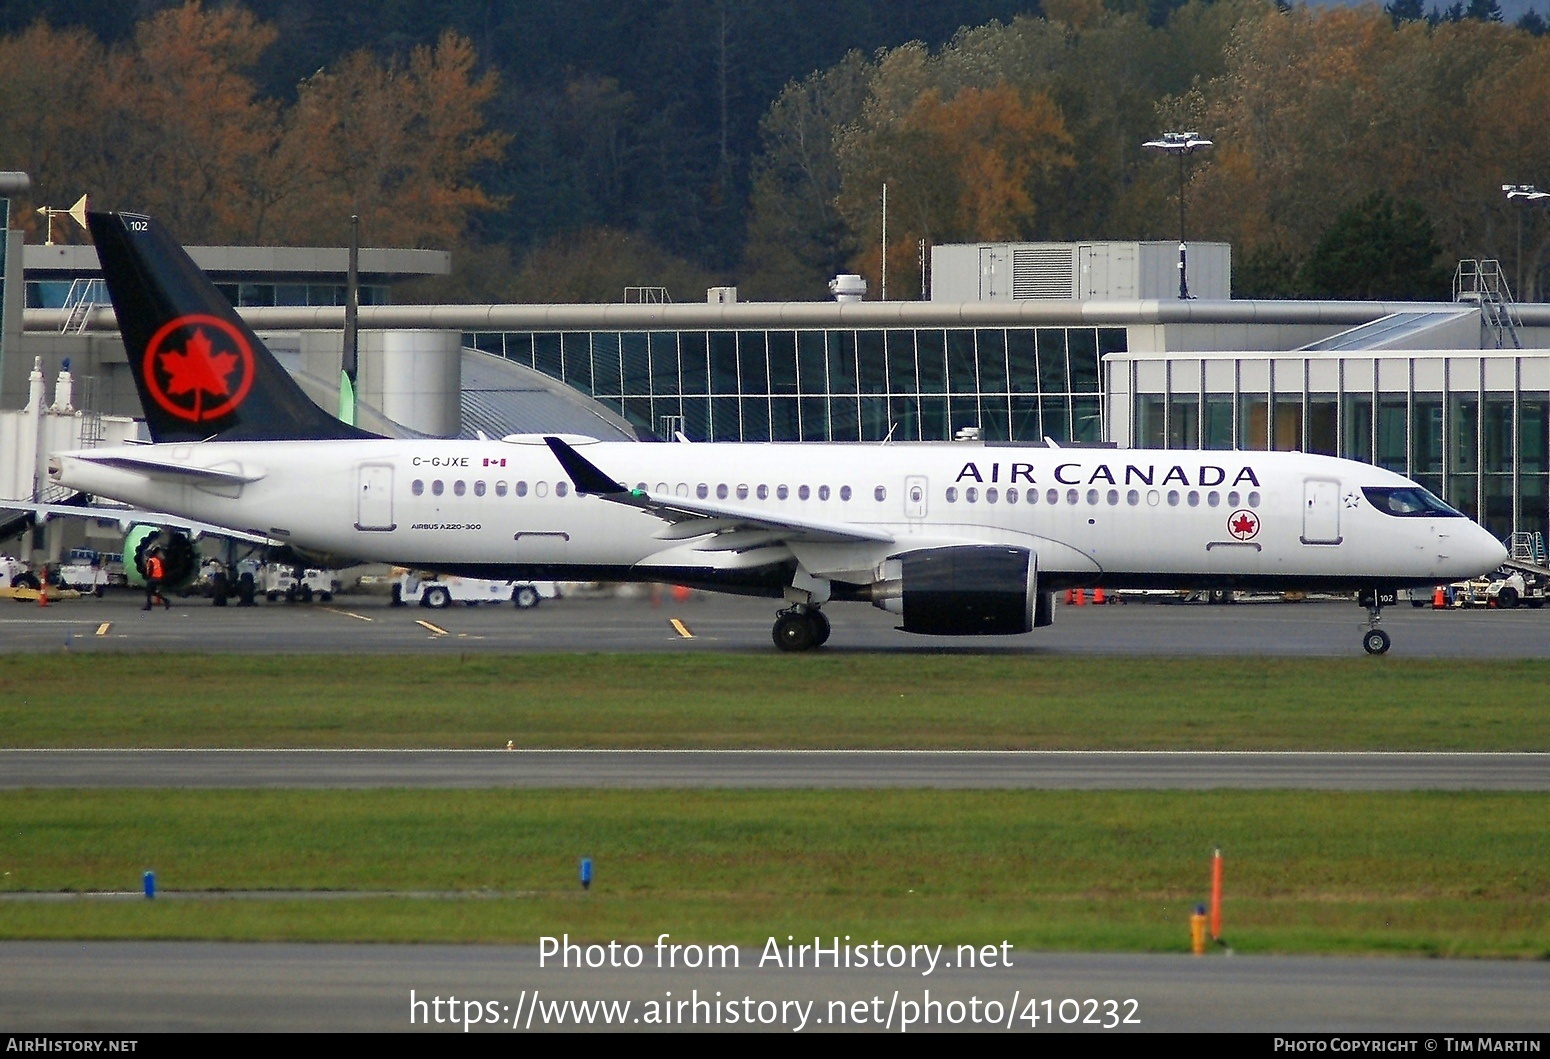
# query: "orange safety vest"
{"type": "Point", "coordinates": [153, 568]}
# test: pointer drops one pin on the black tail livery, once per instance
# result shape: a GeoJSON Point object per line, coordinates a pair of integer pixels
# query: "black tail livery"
{"type": "Point", "coordinates": [201, 371]}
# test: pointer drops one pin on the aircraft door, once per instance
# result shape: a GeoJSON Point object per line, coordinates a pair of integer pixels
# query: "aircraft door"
{"type": "Point", "coordinates": [915, 496]}
{"type": "Point", "coordinates": [1320, 511]}
{"type": "Point", "coordinates": [374, 498]}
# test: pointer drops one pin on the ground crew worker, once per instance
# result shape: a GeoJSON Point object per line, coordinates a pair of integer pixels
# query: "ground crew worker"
{"type": "Point", "coordinates": [155, 571]}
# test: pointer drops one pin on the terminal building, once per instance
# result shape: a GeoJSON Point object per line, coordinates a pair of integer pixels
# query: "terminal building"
{"type": "Point", "coordinates": [1069, 344]}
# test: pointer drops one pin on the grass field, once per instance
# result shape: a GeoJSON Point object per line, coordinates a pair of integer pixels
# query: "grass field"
{"type": "Point", "coordinates": [1420, 873]}
{"type": "Point", "coordinates": [876, 700]}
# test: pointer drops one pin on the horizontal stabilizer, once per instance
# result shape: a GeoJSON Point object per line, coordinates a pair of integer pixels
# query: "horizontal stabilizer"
{"type": "Point", "coordinates": [175, 471]}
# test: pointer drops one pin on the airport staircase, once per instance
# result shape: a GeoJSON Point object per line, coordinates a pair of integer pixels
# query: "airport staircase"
{"type": "Point", "coordinates": [1527, 551]}
{"type": "Point", "coordinates": [1481, 282]}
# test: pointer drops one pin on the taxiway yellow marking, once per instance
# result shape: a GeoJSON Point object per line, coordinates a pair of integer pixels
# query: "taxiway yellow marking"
{"type": "Point", "coordinates": [438, 630]}
{"type": "Point", "coordinates": [349, 614]}
{"type": "Point", "coordinates": [683, 630]}
{"type": "Point", "coordinates": [102, 630]}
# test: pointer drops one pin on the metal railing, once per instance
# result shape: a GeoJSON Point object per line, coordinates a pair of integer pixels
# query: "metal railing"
{"type": "Point", "coordinates": [1482, 282]}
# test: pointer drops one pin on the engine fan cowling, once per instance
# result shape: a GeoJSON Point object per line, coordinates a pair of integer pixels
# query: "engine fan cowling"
{"type": "Point", "coordinates": [969, 590]}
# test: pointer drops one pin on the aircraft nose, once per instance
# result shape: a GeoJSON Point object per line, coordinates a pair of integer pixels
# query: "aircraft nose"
{"type": "Point", "coordinates": [1485, 551]}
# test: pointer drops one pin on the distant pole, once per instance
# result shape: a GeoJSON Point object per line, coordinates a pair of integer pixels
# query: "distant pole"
{"type": "Point", "coordinates": [883, 293]}
{"type": "Point", "coordinates": [1182, 144]}
{"type": "Point", "coordinates": [1216, 896]}
{"type": "Point", "coordinates": [1523, 195]}
{"type": "Point", "coordinates": [925, 290]}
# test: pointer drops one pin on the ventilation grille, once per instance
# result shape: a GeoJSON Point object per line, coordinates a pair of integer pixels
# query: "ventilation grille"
{"type": "Point", "coordinates": [1043, 273]}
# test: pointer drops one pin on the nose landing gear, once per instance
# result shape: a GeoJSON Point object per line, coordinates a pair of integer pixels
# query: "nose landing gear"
{"type": "Point", "coordinates": [1375, 641]}
{"type": "Point", "coordinates": [800, 628]}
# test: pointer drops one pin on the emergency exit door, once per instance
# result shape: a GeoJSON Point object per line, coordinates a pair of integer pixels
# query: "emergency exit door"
{"type": "Point", "coordinates": [374, 498]}
{"type": "Point", "coordinates": [1320, 511]}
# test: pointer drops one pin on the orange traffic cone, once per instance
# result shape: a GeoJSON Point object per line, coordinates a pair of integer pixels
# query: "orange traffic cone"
{"type": "Point", "coordinates": [1439, 598]}
{"type": "Point", "coordinates": [1098, 596]}
{"type": "Point", "coordinates": [43, 591]}
{"type": "Point", "coordinates": [1070, 596]}
{"type": "Point", "coordinates": [1081, 597]}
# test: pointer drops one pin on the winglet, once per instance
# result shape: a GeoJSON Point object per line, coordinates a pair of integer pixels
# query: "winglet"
{"type": "Point", "coordinates": [586, 477]}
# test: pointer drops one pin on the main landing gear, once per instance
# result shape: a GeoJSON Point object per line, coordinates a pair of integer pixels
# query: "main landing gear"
{"type": "Point", "coordinates": [800, 628]}
{"type": "Point", "coordinates": [1375, 641]}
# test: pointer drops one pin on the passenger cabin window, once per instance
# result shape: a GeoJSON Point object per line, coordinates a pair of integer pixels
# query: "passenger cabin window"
{"type": "Point", "coordinates": [459, 488]}
{"type": "Point", "coordinates": [417, 487]}
{"type": "Point", "coordinates": [561, 488]}
{"type": "Point", "coordinates": [823, 492]}
{"type": "Point", "coordinates": [540, 489]}
{"type": "Point", "coordinates": [478, 488]}
{"type": "Point", "coordinates": [1253, 500]}
{"type": "Point", "coordinates": [781, 492]}
{"type": "Point", "coordinates": [881, 494]}
{"type": "Point", "coordinates": [436, 487]}
{"type": "Point", "coordinates": [1410, 502]}
{"type": "Point", "coordinates": [844, 492]}
{"type": "Point", "coordinates": [500, 488]}
{"type": "Point", "coordinates": [952, 495]}
{"type": "Point", "coordinates": [764, 492]}
{"type": "Point", "coordinates": [742, 492]}
{"type": "Point", "coordinates": [803, 492]}
{"type": "Point", "coordinates": [721, 492]}
{"type": "Point", "coordinates": [992, 495]}
{"type": "Point", "coordinates": [971, 494]}
{"type": "Point", "coordinates": [1011, 496]}
{"type": "Point", "coordinates": [1232, 499]}
{"type": "Point", "coordinates": [702, 491]}
{"type": "Point", "coordinates": [521, 489]}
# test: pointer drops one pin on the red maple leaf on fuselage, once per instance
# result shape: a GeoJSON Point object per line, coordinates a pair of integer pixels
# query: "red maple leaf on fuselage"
{"type": "Point", "coordinates": [1244, 525]}
{"type": "Point", "coordinates": [196, 368]}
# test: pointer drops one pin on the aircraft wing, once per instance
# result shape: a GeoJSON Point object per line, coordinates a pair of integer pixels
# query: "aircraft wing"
{"type": "Point", "coordinates": [129, 516]}
{"type": "Point", "coordinates": [695, 518]}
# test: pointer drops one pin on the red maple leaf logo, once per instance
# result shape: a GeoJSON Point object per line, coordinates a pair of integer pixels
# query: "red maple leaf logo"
{"type": "Point", "coordinates": [1244, 525]}
{"type": "Point", "coordinates": [196, 370]}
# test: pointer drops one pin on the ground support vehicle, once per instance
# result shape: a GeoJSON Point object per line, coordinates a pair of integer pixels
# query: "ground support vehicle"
{"type": "Point", "coordinates": [283, 581]}
{"type": "Point", "coordinates": [437, 592]}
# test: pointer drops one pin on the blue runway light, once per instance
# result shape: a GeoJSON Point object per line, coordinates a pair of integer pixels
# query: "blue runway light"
{"type": "Point", "coordinates": [150, 885]}
{"type": "Point", "coordinates": [586, 872]}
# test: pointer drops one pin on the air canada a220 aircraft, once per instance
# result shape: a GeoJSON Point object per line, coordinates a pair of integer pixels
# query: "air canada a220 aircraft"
{"type": "Point", "coordinates": [955, 538]}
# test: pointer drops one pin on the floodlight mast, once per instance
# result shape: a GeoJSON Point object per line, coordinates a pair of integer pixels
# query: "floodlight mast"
{"type": "Point", "coordinates": [1524, 195]}
{"type": "Point", "coordinates": [1181, 144]}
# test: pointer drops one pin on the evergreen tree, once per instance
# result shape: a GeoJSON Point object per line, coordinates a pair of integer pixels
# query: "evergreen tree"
{"type": "Point", "coordinates": [1378, 250]}
{"type": "Point", "coordinates": [1532, 22]}
{"type": "Point", "coordinates": [1405, 10]}
{"type": "Point", "coordinates": [1484, 11]}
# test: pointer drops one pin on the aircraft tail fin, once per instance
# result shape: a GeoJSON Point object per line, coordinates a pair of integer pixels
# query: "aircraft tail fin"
{"type": "Point", "coordinates": [201, 372]}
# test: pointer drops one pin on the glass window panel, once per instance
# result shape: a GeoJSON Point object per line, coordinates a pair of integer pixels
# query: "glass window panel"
{"type": "Point", "coordinates": [1322, 424]}
{"type": "Point", "coordinates": [519, 347]}
{"type": "Point", "coordinates": [784, 423]}
{"type": "Point", "coordinates": [1357, 444]}
{"type": "Point", "coordinates": [1496, 431]}
{"type": "Point", "coordinates": [901, 362]}
{"type": "Point", "coordinates": [1533, 420]}
{"type": "Point", "coordinates": [637, 410]}
{"type": "Point", "coordinates": [994, 418]}
{"type": "Point", "coordinates": [1288, 432]}
{"type": "Point", "coordinates": [1462, 494]}
{"type": "Point", "coordinates": [1184, 422]}
{"type": "Point", "coordinates": [962, 375]}
{"type": "Point", "coordinates": [1056, 417]}
{"type": "Point", "coordinates": [992, 360]}
{"type": "Point", "coordinates": [813, 372]}
{"type": "Point", "coordinates": [1426, 435]}
{"type": "Point", "coordinates": [815, 419]}
{"type": "Point", "coordinates": [962, 412]}
{"type": "Point", "coordinates": [489, 342]}
{"type": "Point", "coordinates": [1216, 421]}
{"type": "Point", "coordinates": [1463, 435]}
{"type": "Point", "coordinates": [1111, 340]}
{"type": "Point", "coordinates": [1085, 356]}
{"type": "Point", "coordinates": [546, 354]}
{"type": "Point", "coordinates": [783, 361]}
{"type": "Point", "coordinates": [1022, 357]}
{"type": "Point", "coordinates": [753, 363]}
{"type": "Point", "coordinates": [870, 362]}
{"type": "Point", "coordinates": [874, 418]}
{"type": "Point", "coordinates": [636, 363]}
{"type": "Point", "coordinates": [1149, 421]}
{"type": "Point", "coordinates": [931, 356]}
{"type": "Point", "coordinates": [933, 419]}
{"type": "Point", "coordinates": [1052, 359]}
{"type": "Point", "coordinates": [1391, 434]}
{"type": "Point", "coordinates": [578, 359]}
{"type": "Point", "coordinates": [842, 365]}
{"type": "Point", "coordinates": [606, 378]}
{"type": "Point", "coordinates": [725, 420]}
{"type": "Point", "coordinates": [664, 417]}
{"type": "Point", "coordinates": [1253, 418]}
{"type": "Point", "coordinates": [696, 413]}
{"type": "Point", "coordinates": [844, 419]}
{"type": "Point", "coordinates": [290, 294]}
{"type": "Point", "coordinates": [1533, 499]}
{"type": "Point", "coordinates": [693, 360]}
{"type": "Point", "coordinates": [756, 418]}
{"type": "Point", "coordinates": [1025, 414]}
{"type": "Point", "coordinates": [904, 418]}
{"type": "Point", "coordinates": [723, 363]}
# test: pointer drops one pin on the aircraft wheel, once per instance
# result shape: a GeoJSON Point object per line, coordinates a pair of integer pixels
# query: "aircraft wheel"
{"type": "Point", "coordinates": [525, 597]}
{"type": "Point", "coordinates": [795, 632]}
{"type": "Point", "coordinates": [306, 593]}
{"type": "Point", "coordinates": [820, 626]}
{"type": "Point", "coordinates": [1375, 642]}
{"type": "Point", "coordinates": [1507, 598]}
{"type": "Point", "coordinates": [437, 598]}
{"type": "Point", "coordinates": [327, 597]}
{"type": "Point", "coordinates": [397, 599]}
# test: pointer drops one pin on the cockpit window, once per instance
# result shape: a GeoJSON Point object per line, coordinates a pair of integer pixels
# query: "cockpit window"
{"type": "Point", "coordinates": [1408, 502]}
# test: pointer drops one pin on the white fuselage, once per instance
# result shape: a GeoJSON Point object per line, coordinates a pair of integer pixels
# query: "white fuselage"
{"type": "Point", "coordinates": [1138, 518]}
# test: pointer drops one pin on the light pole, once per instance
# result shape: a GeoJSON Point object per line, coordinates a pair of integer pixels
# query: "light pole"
{"type": "Point", "coordinates": [1181, 144]}
{"type": "Point", "coordinates": [1526, 195]}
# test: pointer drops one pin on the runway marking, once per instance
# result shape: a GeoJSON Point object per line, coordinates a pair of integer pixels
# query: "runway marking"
{"type": "Point", "coordinates": [438, 630]}
{"type": "Point", "coordinates": [683, 630]}
{"type": "Point", "coordinates": [348, 614]}
{"type": "Point", "coordinates": [102, 630]}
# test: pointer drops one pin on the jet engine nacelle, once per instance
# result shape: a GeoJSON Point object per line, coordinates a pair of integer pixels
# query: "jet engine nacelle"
{"type": "Point", "coordinates": [966, 590]}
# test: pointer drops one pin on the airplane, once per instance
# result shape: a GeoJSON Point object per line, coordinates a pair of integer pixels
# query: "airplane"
{"type": "Point", "coordinates": [955, 538]}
